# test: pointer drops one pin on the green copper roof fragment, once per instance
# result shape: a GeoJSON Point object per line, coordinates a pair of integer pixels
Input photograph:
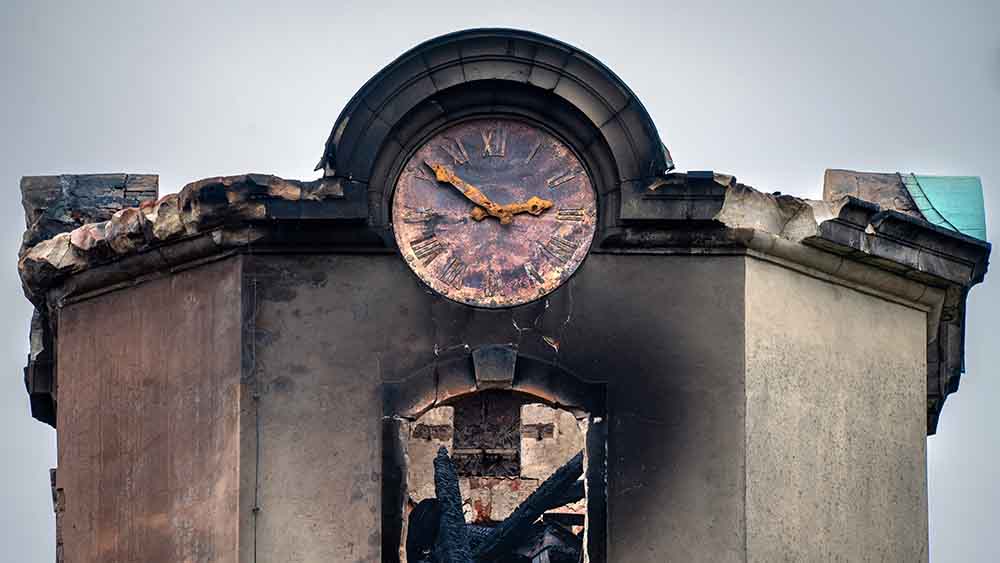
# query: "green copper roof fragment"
{"type": "Point", "coordinates": [952, 202]}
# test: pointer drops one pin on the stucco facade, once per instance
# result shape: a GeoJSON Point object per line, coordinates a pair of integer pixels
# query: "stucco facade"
{"type": "Point", "coordinates": [835, 448]}
{"type": "Point", "coordinates": [755, 411]}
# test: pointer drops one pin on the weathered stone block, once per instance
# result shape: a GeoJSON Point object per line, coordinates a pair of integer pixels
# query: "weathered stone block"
{"type": "Point", "coordinates": [883, 189]}
{"type": "Point", "coordinates": [57, 204]}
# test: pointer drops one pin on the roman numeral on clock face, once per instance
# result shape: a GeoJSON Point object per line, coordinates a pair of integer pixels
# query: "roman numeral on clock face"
{"type": "Point", "coordinates": [456, 150]}
{"type": "Point", "coordinates": [418, 215]}
{"type": "Point", "coordinates": [570, 214]}
{"type": "Point", "coordinates": [453, 270]}
{"type": "Point", "coordinates": [491, 283]}
{"type": "Point", "coordinates": [427, 248]}
{"type": "Point", "coordinates": [533, 274]}
{"type": "Point", "coordinates": [423, 174]}
{"type": "Point", "coordinates": [534, 151]}
{"type": "Point", "coordinates": [494, 142]}
{"type": "Point", "coordinates": [559, 249]}
{"type": "Point", "coordinates": [560, 179]}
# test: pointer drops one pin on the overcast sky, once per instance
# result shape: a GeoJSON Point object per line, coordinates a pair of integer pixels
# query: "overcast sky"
{"type": "Point", "coordinates": [773, 92]}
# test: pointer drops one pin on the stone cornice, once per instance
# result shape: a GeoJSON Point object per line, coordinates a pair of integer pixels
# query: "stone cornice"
{"type": "Point", "coordinates": [851, 241]}
{"type": "Point", "coordinates": [199, 207]}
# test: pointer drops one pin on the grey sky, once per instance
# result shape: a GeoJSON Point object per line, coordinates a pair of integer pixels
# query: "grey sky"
{"type": "Point", "coordinates": [773, 92]}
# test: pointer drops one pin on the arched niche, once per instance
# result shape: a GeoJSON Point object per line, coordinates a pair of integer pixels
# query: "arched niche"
{"type": "Point", "coordinates": [494, 71]}
{"type": "Point", "coordinates": [491, 371]}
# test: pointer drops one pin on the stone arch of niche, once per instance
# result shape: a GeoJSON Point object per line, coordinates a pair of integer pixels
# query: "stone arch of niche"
{"type": "Point", "coordinates": [494, 55]}
{"type": "Point", "coordinates": [491, 369]}
{"type": "Point", "coordinates": [495, 72]}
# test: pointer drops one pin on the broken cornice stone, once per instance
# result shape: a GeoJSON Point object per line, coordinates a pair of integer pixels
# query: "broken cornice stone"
{"type": "Point", "coordinates": [48, 262]}
{"type": "Point", "coordinates": [781, 215]}
{"type": "Point", "coordinates": [200, 206]}
{"type": "Point", "coordinates": [55, 204]}
{"type": "Point", "coordinates": [127, 231]}
{"type": "Point", "coordinates": [164, 218]}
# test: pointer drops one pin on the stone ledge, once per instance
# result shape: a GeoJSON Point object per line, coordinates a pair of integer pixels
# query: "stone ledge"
{"type": "Point", "coordinates": [880, 250]}
{"type": "Point", "coordinates": [55, 204]}
{"type": "Point", "coordinates": [200, 207]}
{"type": "Point", "coordinates": [696, 210]}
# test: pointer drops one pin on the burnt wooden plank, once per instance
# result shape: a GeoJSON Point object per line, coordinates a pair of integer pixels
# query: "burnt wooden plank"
{"type": "Point", "coordinates": [453, 538]}
{"type": "Point", "coordinates": [506, 536]}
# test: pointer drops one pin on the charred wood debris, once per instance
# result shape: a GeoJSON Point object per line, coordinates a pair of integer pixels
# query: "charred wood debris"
{"type": "Point", "coordinates": [437, 531]}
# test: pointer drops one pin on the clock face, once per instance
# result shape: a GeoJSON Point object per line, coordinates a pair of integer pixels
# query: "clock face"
{"type": "Point", "coordinates": [494, 212]}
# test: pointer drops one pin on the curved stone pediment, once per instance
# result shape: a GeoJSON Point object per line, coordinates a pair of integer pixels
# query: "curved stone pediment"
{"type": "Point", "coordinates": [430, 69]}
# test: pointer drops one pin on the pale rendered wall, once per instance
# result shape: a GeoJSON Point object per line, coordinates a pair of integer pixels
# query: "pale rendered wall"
{"type": "Point", "coordinates": [148, 422]}
{"type": "Point", "coordinates": [666, 336]}
{"type": "Point", "coordinates": [833, 397]}
{"type": "Point", "coordinates": [836, 386]}
{"type": "Point", "coordinates": [316, 328]}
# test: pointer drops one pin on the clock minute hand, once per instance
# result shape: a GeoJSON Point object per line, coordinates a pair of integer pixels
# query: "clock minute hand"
{"type": "Point", "coordinates": [485, 207]}
{"type": "Point", "coordinates": [445, 175]}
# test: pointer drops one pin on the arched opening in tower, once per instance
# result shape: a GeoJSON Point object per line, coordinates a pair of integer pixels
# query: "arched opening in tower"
{"type": "Point", "coordinates": [495, 476]}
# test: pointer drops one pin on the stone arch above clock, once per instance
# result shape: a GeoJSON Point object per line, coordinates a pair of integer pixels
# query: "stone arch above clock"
{"type": "Point", "coordinates": [499, 71]}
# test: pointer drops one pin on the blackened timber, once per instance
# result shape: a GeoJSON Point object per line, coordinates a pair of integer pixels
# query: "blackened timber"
{"type": "Point", "coordinates": [571, 494]}
{"type": "Point", "coordinates": [422, 531]}
{"type": "Point", "coordinates": [453, 538]}
{"type": "Point", "coordinates": [505, 536]}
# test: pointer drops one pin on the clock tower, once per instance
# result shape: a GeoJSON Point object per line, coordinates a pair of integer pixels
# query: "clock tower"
{"type": "Point", "coordinates": [500, 326]}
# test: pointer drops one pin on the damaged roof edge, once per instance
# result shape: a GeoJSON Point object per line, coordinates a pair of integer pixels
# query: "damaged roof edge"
{"type": "Point", "coordinates": [892, 248]}
{"type": "Point", "coordinates": [199, 207]}
{"type": "Point", "coordinates": [843, 224]}
{"type": "Point", "coordinates": [942, 263]}
{"type": "Point", "coordinates": [954, 203]}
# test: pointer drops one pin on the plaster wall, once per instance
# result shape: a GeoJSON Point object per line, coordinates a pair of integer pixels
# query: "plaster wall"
{"type": "Point", "coordinates": [835, 422]}
{"type": "Point", "coordinates": [233, 411]}
{"type": "Point", "coordinates": [319, 331]}
{"type": "Point", "coordinates": [667, 334]}
{"type": "Point", "coordinates": [664, 332]}
{"type": "Point", "coordinates": [149, 422]}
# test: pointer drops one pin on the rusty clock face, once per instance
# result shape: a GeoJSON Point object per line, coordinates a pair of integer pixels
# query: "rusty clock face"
{"type": "Point", "coordinates": [494, 212]}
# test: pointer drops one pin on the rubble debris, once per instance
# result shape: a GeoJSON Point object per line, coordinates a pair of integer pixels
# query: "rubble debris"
{"type": "Point", "coordinates": [550, 543]}
{"type": "Point", "coordinates": [886, 190]}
